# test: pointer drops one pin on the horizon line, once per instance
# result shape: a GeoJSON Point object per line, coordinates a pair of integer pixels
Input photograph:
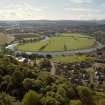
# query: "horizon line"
{"type": "Point", "coordinates": [56, 20]}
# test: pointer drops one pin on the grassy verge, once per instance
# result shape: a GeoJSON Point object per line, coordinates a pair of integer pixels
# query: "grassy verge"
{"type": "Point", "coordinates": [70, 59]}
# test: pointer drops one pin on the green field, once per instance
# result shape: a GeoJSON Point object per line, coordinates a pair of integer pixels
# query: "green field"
{"type": "Point", "coordinates": [63, 42]}
{"type": "Point", "coordinates": [70, 59]}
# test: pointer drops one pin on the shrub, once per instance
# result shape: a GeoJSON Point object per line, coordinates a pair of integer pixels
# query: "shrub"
{"type": "Point", "coordinates": [31, 98]}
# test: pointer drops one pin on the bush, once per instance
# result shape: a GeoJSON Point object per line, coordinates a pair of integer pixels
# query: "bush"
{"type": "Point", "coordinates": [5, 99]}
{"type": "Point", "coordinates": [48, 100]}
{"type": "Point", "coordinates": [86, 95]}
{"type": "Point", "coordinates": [31, 98]}
{"type": "Point", "coordinates": [75, 102]}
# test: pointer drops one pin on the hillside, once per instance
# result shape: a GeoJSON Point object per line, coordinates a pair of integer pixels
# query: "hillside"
{"type": "Point", "coordinates": [5, 38]}
{"type": "Point", "coordinates": [23, 84]}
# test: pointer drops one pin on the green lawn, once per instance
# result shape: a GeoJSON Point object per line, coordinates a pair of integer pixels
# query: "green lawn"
{"type": "Point", "coordinates": [70, 59]}
{"type": "Point", "coordinates": [99, 98]}
{"type": "Point", "coordinates": [64, 42]}
{"type": "Point", "coordinates": [32, 46]}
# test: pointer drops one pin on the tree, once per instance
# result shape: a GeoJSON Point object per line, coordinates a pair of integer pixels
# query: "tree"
{"type": "Point", "coordinates": [27, 83]}
{"type": "Point", "coordinates": [32, 84]}
{"type": "Point", "coordinates": [45, 63]}
{"type": "Point", "coordinates": [5, 99]}
{"type": "Point", "coordinates": [37, 85]}
{"type": "Point", "coordinates": [48, 100]}
{"type": "Point", "coordinates": [31, 98]}
{"type": "Point", "coordinates": [17, 78]}
{"type": "Point", "coordinates": [85, 95]}
{"type": "Point", "coordinates": [75, 102]}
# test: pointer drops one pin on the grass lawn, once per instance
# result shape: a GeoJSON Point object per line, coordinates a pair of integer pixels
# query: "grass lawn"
{"type": "Point", "coordinates": [63, 42]}
{"type": "Point", "coordinates": [70, 59]}
{"type": "Point", "coordinates": [32, 46]}
{"type": "Point", "coordinates": [99, 98]}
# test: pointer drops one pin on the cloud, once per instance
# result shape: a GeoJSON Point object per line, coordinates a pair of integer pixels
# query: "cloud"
{"type": "Point", "coordinates": [21, 12]}
{"type": "Point", "coordinates": [69, 9]}
{"type": "Point", "coordinates": [81, 1]}
{"type": "Point", "coordinates": [78, 5]}
{"type": "Point", "coordinates": [81, 9]}
{"type": "Point", "coordinates": [84, 9]}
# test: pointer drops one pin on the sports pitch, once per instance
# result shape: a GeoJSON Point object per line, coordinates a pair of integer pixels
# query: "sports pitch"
{"type": "Point", "coordinates": [62, 42]}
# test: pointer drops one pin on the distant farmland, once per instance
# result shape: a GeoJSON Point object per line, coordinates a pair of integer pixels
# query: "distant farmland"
{"type": "Point", "coordinates": [63, 42]}
{"type": "Point", "coordinates": [5, 38]}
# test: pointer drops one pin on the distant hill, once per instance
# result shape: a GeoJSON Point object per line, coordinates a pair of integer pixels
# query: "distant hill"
{"type": "Point", "coordinates": [32, 23]}
{"type": "Point", "coordinates": [4, 38]}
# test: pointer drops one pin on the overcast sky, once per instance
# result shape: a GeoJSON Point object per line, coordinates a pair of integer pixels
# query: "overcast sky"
{"type": "Point", "coordinates": [52, 9]}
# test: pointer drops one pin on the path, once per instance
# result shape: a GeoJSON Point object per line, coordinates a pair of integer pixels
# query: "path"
{"type": "Point", "coordinates": [53, 69]}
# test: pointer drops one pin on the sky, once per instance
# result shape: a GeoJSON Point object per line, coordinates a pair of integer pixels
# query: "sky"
{"type": "Point", "coordinates": [52, 9]}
